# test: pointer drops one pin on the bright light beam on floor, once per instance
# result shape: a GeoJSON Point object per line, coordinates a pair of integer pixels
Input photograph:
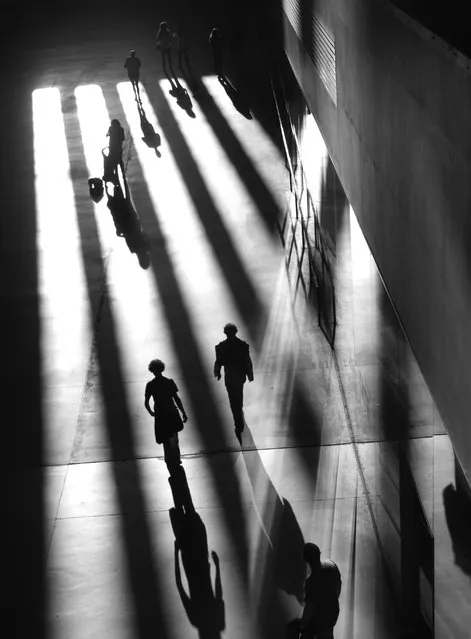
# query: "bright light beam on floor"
{"type": "Point", "coordinates": [198, 273]}
{"type": "Point", "coordinates": [64, 307]}
{"type": "Point", "coordinates": [238, 212]}
{"type": "Point", "coordinates": [138, 323]}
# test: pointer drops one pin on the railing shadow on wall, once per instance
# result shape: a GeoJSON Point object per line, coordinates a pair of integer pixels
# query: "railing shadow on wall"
{"type": "Point", "coordinates": [301, 234]}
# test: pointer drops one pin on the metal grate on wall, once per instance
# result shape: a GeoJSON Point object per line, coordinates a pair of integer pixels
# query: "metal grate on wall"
{"type": "Point", "coordinates": [292, 10]}
{"type": "Point", "coordinates": [321, 48]}
{"type": "Point", "coordinates": [323, 56]}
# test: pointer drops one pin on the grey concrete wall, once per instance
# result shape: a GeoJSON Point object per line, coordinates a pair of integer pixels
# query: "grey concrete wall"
{"type": "Point", "coordinates": [400, 140]}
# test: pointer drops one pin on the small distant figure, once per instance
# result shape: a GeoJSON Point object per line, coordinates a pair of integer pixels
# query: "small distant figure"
{"type": "Point", "coordinates": [167, 420]}
{"type": "Point", "coordinates": [321, 596]}
{"type": "Point", "coordinates": [216, 44]}
{"type": "Point", "coordinates": [163, 43]}
{"type": "Point", "coordinates": [234, 354]}
{"type": "Point", "coordinates": [115, 150]}
{"type": "Point", "coordinates": [133, 65]}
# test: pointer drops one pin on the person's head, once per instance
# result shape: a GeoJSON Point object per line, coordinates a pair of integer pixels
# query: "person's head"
{"type": "Point", "coordinates": [132, 53]}
{"type": "Point", "coordinates": [164, 26]}
{"type": "Point", "coordinates": [115, 123]}
{"type": "Point", "coordinates": [230, 330]}
{"type": "Point", "coordinates": [312, 555]}
{"type": "Point", "coordinates": [156, 366]}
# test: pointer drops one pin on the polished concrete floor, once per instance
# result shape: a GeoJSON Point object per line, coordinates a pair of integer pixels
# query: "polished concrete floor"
{"type": "Point", "coordinates": [329, 430]}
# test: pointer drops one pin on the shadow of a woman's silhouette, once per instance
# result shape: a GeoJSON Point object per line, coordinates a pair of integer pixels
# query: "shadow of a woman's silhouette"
{"type": "Point", "coordinates": [151, 137]}
{"type": "Point", "coordinates": [204, 605]}
{"type": "Point", "coordinates": [236, 97]}
{"type": "Point", "coordinates": [126, 219]}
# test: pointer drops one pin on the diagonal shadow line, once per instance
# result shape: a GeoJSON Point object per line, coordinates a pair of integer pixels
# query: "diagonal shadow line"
{"type": "Point", "coordinates": [237, 277]}
{"type": "Point", "coordinates": [267, 206]}
{"type": "Point", "coordinates": [140, 559]}
{"type": "Point", "coordinates": [214, 227]}
{"type": "Point", "coordinates": [177, 314]}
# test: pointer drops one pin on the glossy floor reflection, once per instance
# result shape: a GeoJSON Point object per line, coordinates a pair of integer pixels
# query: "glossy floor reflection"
{"type": "Point", "coordinates": [336, 440]}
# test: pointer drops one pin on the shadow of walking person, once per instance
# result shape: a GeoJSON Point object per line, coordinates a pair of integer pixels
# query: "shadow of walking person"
{"type": "Point", "coordinates": [236, 96]}
{"type": "Point", "coordinates": [204, 605]}
{"type": "Point", "coordinates": [126, 219]}
{"type": "Point", "coordinates": [150, 136]}
{"type": "Point", "coordinates": [458, 519]}
{"type": "Point", "coordinates": [284, 540]}
{"type": "Point", "coordinates": [181, 96]}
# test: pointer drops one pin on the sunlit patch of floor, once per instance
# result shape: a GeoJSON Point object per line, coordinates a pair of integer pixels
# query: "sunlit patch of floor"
{"type": "Point", "coordinates": [238, 211]}
{"type": "Point", "coordinates": [64, 307]}
{"type": "Point", "coordinates": [255, 141]}
{"type": "Point", "coordinates": [199, 276]}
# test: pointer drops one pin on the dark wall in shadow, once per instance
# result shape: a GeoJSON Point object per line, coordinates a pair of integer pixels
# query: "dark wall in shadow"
{"type": "Point", "coordinates": [24, 542]}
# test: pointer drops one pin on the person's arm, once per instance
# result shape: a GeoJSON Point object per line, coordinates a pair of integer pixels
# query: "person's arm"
{"type": "Point", "coordinates": [249, 366]}
{"type": "Point", "coordinates": [179, 404]}
{"type": "Point", "coordinates": [217, 366]}
{"type": "Point", "coordinates": [146, 401]}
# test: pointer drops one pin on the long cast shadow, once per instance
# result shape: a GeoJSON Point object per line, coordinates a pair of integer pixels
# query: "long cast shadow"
{"type": "Point", "coordinates": [145, 589]}
{"type": "Point", "coordinates": [267, 206]}
{"type": "Point", "coordinates": [279, 562]}
{"type": "Point", "coordinates": [202, 398]}
{"type": "Point", "coordinates": [239, 281]}
{"type": "Point", "coordinates": [204, 605]}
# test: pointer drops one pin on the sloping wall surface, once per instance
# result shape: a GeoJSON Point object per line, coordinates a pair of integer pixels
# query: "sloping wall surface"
{"type": "Point", "coordinates": [399, 134]}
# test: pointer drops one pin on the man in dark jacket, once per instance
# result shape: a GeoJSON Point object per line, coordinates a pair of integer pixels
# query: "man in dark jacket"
{"type": "Point", "coordinates": [321, 595]}
{"type": "Point", "coordinates": [234, 354]}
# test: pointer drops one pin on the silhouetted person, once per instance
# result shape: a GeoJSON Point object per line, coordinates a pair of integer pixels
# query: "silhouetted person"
{"type": "Point", "coordinates": [321, 596]}
{"type": "Point", "coordinates": [217, 48]}
{"type": "Point", "coordinates": [234, 354]}
{"type": "Point", "coordinates": [133, 65]}
{"type": "Point", "coordinates": [167, 420]}
{"type": "Point", "coordinates": [115, 151]}
{"type": "Point", "coordinates": [151, 137]}
{"type": "Point", "coordinates": [163, 43]}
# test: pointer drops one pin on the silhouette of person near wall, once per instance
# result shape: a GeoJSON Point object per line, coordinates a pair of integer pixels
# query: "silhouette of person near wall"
{"type": "Point", "coordinates": [167, 420]}
{"type": "Point", "coordinates": [321, 596]}
{"type": "Point", "coordinates": [234, 355]}
{"type": "Point", "coordinates": [217, 49]}
{"type": "Point", "coordinates": [163, 43]}
{"type": "Point", "coordinates": [133, 66]}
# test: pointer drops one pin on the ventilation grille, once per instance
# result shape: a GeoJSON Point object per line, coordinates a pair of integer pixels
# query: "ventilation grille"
{"type": "Point", "coordinates": [321, 47]}
{"type": "Point", "coordinates": [293, 13]}
{"type": "Point", "coordinates": [323, 56]}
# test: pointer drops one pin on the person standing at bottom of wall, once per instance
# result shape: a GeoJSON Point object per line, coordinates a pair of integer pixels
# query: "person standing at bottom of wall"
{"type": "Point", "coordinates": [166, 413]}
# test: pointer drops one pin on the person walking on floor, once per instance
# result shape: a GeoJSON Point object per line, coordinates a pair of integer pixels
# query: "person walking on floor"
{"type": "Point", "coordinates": [216, 44]}
{"type": "Point", "coordinates": [133, 65]}
{"type": "Point", "coordinates": [321, 596]}
{"type": "Point", "coordinates": [164, 44]}
{"type": "Point", "coordinates": [167, 420]}
{"type": "Point", "coordinates": [234, 354]}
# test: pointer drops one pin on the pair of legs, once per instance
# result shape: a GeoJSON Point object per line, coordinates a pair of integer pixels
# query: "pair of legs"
{"type": "Point", "coordinates": [235, 391]}
{"type": "Point", "coordinates": [172, 453]}
{"type": "Point", "coordinates": [167, 61]}
{"type": "Point", "coordinates": [135, 85]}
